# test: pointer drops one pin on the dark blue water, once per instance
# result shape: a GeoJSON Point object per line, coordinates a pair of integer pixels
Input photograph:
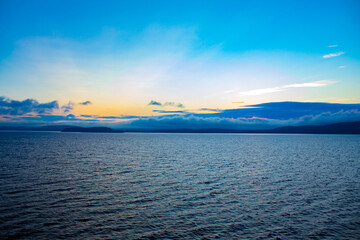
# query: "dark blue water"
{"type": "Point", "coordinates": [179, 186]}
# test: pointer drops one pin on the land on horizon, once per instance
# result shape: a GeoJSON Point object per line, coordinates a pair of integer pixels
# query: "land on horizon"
{"type": "Point", "coordinates": [337, 128]}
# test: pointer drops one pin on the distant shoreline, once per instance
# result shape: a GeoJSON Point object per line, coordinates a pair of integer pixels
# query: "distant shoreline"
{"type": "Point", "coordinates": [337, 128]}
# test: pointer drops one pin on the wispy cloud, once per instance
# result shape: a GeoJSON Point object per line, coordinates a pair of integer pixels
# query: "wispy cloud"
{"type": "Point", "coordinates": [85, 103]}
{"type": "Point", "coordinates": [331, 55]}
{"type": "Point", "coordinates": [335, 45]}
{"type": "Point", "coordinates": [282, 88]}
{"type": "Point", "coordinates": [310, 84]}
{"type": "Point", "coordinates": [68, 107]}
{"type": "Point", "coordinates": [342, 66]}
{"type": "Point", "coordinates": [170, 104]}
{"type": "Point", "coordinates": [173, 104]}
{"type": "Point", "coordinates": [154, 103]}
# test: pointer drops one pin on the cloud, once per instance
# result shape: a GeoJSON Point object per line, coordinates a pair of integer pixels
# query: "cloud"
{"type": "Point", "coordinates": [309, 84]}
{"type": "Point", "coordinates": [196, 122]}
{"type": "Point", "coordinates": [260, 91]}
{"type": "Point", "coordinates": [331, 55]}
{"type": "Point", "coordinates": [191, 121]}
{"type": "Point", "coordinates": [331, 46]}
{"type": "Point", "coordinates": [119, 117]}
{"type": "Point", "coordinates": [154, 103]}
{"type": "Point", "coordinates": [284, 110]}
{"type": "Point", "coordinates": [265, 115]}
{"type": "Point", "coordinates": [109, 117]}
{"type": "Point", "coordinates": [129, 117]}
{"type": "Point", "coordinates": [122, 117]}
{"type": "Point", "coordinates": [329, 118]}
{"type": "Point", "coordinates": [170, 104]}
{"type": "Point", "coordinates": [85, 103]}
{"type": "Point", "coordinates": [259, 116]}
{"type": "Point", "coordinates": [203, 122]}
{"type": "Point", "coordinates": [173, 104]}
{"type": "Point", "coordinates": [14, 107]}
{"type": "Point", "coordinates": [342, 66]}
{"type": "Point", "coordinates": [282, 88]}
{"type": "Point", "coordinates": [164, 111]}
{"type": "Point", "coordinates": [68, 107]}
{"type": "Point", "coordinates": [210, 109]}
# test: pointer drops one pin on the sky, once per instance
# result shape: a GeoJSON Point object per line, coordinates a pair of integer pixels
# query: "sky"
{"type": "Point", "coordinates": [176, 64]}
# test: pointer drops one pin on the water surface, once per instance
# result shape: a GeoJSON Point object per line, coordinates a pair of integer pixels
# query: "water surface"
{"type": "Point", "coordinates": [179, 186]}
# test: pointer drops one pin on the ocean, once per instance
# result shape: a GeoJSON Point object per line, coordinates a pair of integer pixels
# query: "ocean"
{"type": "Point", "coordinates": [179, 186]}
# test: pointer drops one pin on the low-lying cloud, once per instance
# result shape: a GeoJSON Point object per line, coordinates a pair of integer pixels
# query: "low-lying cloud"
{"type": "Point", "coordinates": [171, 112]}
{"type": "Point", "coordinates": [203, 122]}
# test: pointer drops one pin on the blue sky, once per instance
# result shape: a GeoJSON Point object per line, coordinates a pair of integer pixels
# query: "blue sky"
{"type": "Point", "coordinates": [206, 56]}
{"type": "Point", "coordinates": [300, 26]}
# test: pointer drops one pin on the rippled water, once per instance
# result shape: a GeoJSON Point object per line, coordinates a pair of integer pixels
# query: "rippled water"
{"type": "Point", "coordinates": [179, 186]}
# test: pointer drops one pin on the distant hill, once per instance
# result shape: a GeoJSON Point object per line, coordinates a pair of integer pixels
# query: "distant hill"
{"type": "Point", "coordinates": [42, 128]}
{"type": "Point", "coordinates": [92, 129]}
{"type": "Point", "coordinates": [337, 128]}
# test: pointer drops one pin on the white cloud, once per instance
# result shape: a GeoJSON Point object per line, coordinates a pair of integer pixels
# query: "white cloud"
{"type": "Point", "coordinates": [333, 45]}
{"type": "Point", "coordinates": [309, 84]}
{"type": "Point", "coordinates": [260, 91]}
{"type": "Point", "coordinates": [331, 55]}
{"type": "Point", "coordinates": [282, 88]}
{"type": "Point", "coordinates": [342, 66]}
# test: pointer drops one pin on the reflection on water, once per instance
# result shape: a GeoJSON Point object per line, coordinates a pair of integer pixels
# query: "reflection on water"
{"type": "Point", "coordinates": [188, 186]}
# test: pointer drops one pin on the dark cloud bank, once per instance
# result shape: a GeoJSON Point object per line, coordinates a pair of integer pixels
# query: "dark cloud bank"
{"type": "Point", "coordinates": [286, 110]}
{"type": "Point", "coordinates": [260, 116]}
